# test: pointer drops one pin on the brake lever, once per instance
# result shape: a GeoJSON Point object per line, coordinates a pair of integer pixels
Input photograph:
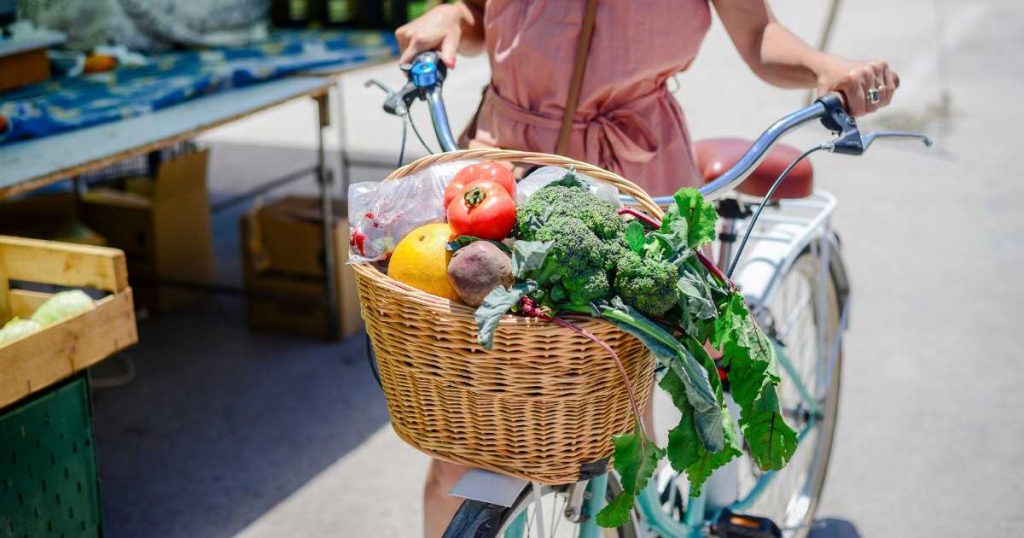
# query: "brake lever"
{"type": "Point", "coordinates": [848, 138]}
{"type": "Point", "coordinates": [395, 103]}
{"type": "Point", "coordinates": [874, 135]}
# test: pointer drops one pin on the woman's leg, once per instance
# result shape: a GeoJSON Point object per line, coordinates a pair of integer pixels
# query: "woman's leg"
{"type": "Point", "coordinates": [438, 506]}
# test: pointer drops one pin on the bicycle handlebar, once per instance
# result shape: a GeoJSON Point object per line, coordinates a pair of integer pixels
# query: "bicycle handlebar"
{"type": "Point", "coordinates": [427, 73]}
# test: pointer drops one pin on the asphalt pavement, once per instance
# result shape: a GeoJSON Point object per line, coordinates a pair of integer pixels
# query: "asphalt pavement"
{"type": "Point", "coordinates": [227, 432]}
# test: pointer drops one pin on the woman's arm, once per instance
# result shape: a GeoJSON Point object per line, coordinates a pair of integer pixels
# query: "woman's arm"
{"type": "Point", "coordinates": [782, 59]}
{"type": "Point", "coordinates": [447, 28]}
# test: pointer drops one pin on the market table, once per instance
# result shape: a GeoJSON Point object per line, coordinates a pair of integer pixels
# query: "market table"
{"type": "Point", "coordinates": [34, 163]}
{"type": "Point", "coordinates": [64, 128]}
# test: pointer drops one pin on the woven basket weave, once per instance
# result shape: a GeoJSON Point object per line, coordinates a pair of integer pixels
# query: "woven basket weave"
{"type": "Point", "coordinates": [541, 405]}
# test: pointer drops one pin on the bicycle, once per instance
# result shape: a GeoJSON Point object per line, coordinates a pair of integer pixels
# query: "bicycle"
{"type": "Point", "coordinates": [795, 283]}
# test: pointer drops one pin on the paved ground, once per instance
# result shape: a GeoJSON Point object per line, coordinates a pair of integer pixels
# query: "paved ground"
{"type": "Point", "coordinates": [229, 432]}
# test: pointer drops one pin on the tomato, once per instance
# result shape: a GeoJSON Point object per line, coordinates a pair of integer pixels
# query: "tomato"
{"type": "Point", "coordinates": [476, 172]}
{"type": "Point", "coordinates": [483, 209]}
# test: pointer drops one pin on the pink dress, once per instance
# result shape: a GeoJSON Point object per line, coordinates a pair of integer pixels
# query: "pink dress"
{"type": "Point", "coordinates": [627, 121]}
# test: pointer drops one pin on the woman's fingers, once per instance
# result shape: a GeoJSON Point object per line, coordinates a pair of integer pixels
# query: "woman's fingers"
{"type": "Point", "coordinates": [852, 87]}
{"type": "Point", "coordinates": [878, 84]}
{"type": "Point", "coordinates": [407, 43]}
{"type": "Point", "coordinates": [450, 48]}
{"type": "Point", "coordinates": [438, 29]}
{"type": "Point", "coordinates": [892, 82]}
{"type": "Point", "coordinates": [865, 86]}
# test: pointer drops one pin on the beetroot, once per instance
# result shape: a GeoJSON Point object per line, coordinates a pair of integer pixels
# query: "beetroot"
{"type": "Point", "coordinates": [478, 268]}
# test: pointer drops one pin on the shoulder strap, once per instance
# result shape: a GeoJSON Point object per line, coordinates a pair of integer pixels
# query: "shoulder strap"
{"type": "Point", "coordinates": [578, 67]}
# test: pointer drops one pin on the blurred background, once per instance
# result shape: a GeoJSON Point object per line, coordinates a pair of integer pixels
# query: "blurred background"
{"type": "Point", "coordinates": [224, 430]}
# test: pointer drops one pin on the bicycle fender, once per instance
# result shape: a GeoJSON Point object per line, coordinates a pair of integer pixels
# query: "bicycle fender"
{"type": "Point", "coordinates": [488, 487]}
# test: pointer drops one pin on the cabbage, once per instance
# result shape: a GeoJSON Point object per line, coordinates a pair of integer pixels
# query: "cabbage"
{"type": "Point", "coordinates": [62, 306]}
{"type": "Point", "coordinates": [16, 328]}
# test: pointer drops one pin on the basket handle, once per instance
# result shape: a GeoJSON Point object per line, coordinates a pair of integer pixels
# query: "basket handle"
{"type": "Point", "coordinates": [624, 185]}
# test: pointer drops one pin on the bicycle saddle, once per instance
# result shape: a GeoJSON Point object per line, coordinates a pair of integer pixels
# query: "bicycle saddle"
{"type": "Point", "coordinates": [716, 155]}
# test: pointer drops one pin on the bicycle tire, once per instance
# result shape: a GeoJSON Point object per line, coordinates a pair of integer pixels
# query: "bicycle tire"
{"type": "Point", "coordinates": [799, 525]}
{"type": "Point", "coordinates": [477, 519]}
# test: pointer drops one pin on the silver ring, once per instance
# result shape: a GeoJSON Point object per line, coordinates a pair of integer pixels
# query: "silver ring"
{"type": "Point", "coordinates": [874, 96]}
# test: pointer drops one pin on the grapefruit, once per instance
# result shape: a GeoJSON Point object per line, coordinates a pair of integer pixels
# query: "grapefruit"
{"type": "Point", "coordinates": [421, 260]}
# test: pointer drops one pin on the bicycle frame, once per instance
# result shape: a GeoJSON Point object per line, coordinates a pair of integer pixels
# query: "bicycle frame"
{"type": "Point", "coordinates": [776, 251]}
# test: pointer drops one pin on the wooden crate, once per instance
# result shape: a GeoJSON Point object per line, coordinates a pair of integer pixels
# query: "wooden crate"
{"type": "Point", "coordinates": [39, 360]}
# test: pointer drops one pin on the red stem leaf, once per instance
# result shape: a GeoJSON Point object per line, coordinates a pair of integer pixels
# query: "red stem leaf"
{"type": "Point", "coordinates": [640, 215]}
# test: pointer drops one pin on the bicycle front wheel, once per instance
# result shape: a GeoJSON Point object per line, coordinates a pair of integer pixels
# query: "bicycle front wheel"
{"type": "Point", "coordinates": [476, 519]}
{"type": "Point", "coordinates": [804, 317]}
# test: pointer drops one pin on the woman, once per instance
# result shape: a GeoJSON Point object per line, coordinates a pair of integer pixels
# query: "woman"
{"type": "Point", "coordinates": [626, 120]}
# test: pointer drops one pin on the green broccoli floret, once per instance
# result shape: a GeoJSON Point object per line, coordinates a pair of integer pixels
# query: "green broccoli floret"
{"type": "Point", "coordinates": [576, 261]}
{"type": "Point", "coordinates": [615, 249]}
{"type": "Point", "coordinates": [648, 284]}
{"type": "Point", "coordinates": [587, 286]}
{"type": "Point", "coordinates": [566, 199]}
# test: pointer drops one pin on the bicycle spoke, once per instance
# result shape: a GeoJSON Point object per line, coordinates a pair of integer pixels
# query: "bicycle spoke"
{"type": "Point", "coordinates": [556, 516]}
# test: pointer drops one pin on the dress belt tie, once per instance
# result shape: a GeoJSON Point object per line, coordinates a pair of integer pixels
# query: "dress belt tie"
{"type": "Point", "coordinates": [610, 135]}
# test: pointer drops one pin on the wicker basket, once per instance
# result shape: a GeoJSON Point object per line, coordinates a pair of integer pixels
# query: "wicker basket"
{"type": "Point", "coordinates": [542, 405]}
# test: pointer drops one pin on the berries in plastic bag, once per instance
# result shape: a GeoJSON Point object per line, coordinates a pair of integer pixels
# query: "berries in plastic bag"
{"type": "Point", "coordinates": [381, 213]}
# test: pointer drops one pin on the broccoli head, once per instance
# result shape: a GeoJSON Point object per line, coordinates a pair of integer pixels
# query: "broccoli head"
{"type": "Point", "coordinates": [576, 261]}
{"type": "Point", "coordinates": [614, 249]}
{"type": "Point", "coordinates": [563, 199]}
{"type": "Point", "coordinates": [587, 286]}
{"type": "Point", "coordinates": [648, 284]}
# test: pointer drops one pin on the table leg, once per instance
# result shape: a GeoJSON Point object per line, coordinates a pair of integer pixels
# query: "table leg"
{"type": "Point", "coordinates": [325, 182]}
{"type": "Point", "coordinates": [342, 136]}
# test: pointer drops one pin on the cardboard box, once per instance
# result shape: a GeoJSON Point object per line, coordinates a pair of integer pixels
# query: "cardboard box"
{"type": "Point", "coordinates": [163, 226]}
{"type": "Point", "coordinates": [24, 68]}
{"type": "Point", "coordinates": [283, 259]}
{"type": "Point", "coordinates": [50, 215]}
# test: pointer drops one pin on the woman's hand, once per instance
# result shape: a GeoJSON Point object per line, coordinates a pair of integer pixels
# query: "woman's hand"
{"type": "Point", "coordinates": [856, 80]}
{"type": "Point", "coordinates": [439, 29]}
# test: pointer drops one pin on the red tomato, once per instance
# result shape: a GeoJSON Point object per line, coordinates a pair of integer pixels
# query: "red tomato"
{"type": "Point", "coordinates": [476, 172]}
{"type": "Point", "coordinates": [483, 209]}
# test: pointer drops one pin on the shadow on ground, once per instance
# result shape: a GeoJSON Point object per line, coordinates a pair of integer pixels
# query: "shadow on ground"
{"type": "Point", "coordinates": [834, 528]}
{"type": "Point", "coordinates": [221, 423]}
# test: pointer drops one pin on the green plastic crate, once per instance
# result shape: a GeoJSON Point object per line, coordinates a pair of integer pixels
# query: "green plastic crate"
{"type": "Point", "coordinates": [48, 481]}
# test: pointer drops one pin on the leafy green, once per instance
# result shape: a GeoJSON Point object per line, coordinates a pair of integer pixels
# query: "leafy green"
{"type": "Point", "coordinates": [754, 378]}
{"type": "Point", "coordinates": [61, 306]}
{"type": "Point", "coordinates": [671, 353]}
{"type": "Point", "coordinates": [685, 452]}
{"type": "Point", "coordinates": [639, 458]}
{"type": "Point", "coordinates": [698, 213]}
{"type": "Point", "coordinates": [496, 304]}
{"type": "Point", "coordinates": [669, 242]}
{"type": "Point", "coordinates": [635, 237]}
{"type": "Point", "coordinates": [528, 256]}
{"type": "Point", "coordinates": [696, 301]}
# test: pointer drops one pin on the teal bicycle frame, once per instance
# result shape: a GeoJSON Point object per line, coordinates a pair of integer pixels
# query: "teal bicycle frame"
{"type": "Point", "coordinates": [697, 517]}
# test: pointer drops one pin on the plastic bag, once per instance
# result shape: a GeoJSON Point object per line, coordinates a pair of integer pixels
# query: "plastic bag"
{"type": "Point", "coordinates": [542, 176]}
{"type": "Point", "coordinates": [381, 213]}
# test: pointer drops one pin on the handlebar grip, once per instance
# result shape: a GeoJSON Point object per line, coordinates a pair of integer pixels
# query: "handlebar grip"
{"type": "Point", "coordinates": [834, 99]}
